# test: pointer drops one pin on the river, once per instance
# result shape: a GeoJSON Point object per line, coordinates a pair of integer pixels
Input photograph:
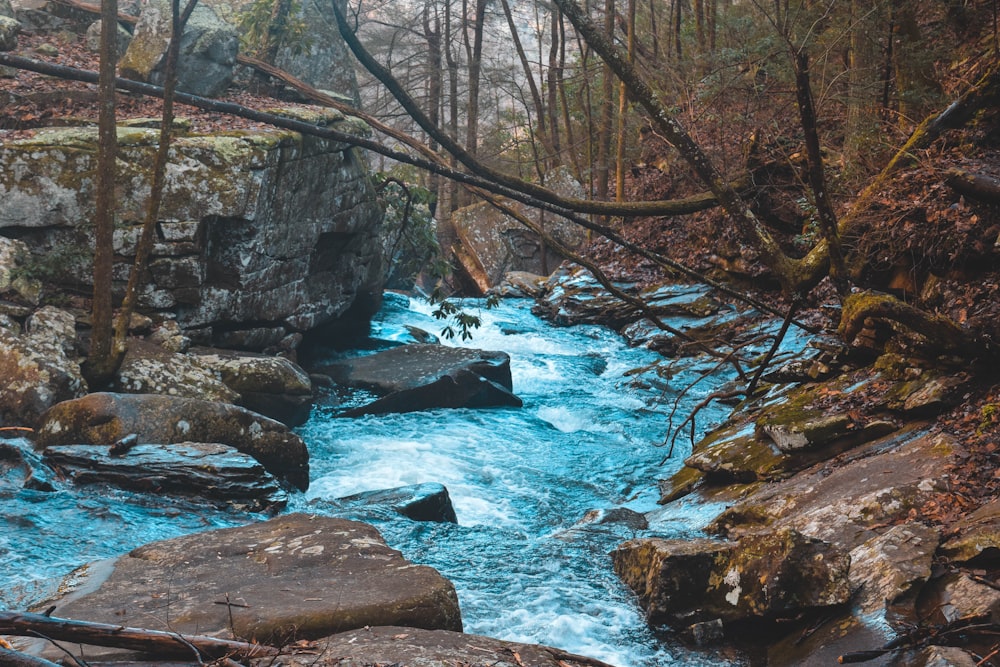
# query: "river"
{"type": "Point", "coordinates": [525, 564]}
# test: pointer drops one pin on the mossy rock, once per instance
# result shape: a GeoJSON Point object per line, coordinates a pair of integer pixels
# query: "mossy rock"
{"type": "Point", "coordinates": [736, 454]}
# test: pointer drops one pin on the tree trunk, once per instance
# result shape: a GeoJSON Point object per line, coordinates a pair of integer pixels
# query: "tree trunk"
{"type": "Point", "coordinates": [605, 127]}
{"type": "Point", "coordinates": [101, 364]}
{"type": "Point", "coordinates": [861, 134]}
{"type": "Point", "coordinates": [157, 179]}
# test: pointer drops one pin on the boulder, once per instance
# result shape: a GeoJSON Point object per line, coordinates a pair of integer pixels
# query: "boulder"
{"type": "Point", "coordinates": [414, 647]}
{"type": "Point", "coordinates": [105, 418]}
{"type": "Point", "coordinates": [150, 369]}
{"type": "Point", "coordinates": [36, 368]}
{"type": "Point", "coordinates": [320, 57]}
{"type": "Point", "coordinates": [421, 377]}
{"type": "Point", "coordinates": [207, 53]}
{"type": "Point", "coordinates": [92, 39]}
{"type": "Point", "coordinates": [764, 577]}
{"type": "Point", "coordinates": [420, 502]}
{"type": "Point", "coordinates": [211, 471]}
{"type": "Point", "coordinates": [271, 385]}
{"type": "Point", "coordinates": [958, 595]}
{"type": "Point", "coordinates": [6, 9]}
{"type": "Point", "coordinates": [9, 27]}
{"type": "Point", "coordinates": [294, 577]}
{"type": "Point", "coordinates": [520, 285]}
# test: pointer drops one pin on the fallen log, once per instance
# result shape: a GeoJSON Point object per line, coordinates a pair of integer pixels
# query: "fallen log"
{"type": "Point", "coordinates": [11, 658]}
{"type": "Point", "coordinates": [156, 642]}
{"type": "Point", "coordinates": [977, 186]}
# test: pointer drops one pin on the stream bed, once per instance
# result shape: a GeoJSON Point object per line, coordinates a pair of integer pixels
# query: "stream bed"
{"type": "Point", "coordinates": [526, 564]}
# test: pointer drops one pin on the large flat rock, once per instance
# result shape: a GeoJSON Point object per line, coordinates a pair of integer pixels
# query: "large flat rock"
{"type": "Point", "coordinates": [293, 577]}
{"type": "Point", "coordinates": [411, 647]}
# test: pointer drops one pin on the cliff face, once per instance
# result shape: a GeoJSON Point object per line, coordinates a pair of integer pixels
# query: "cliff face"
{"type": "Point", "coordinates": [263, 234]}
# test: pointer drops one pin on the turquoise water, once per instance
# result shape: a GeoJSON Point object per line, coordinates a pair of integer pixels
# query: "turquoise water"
{"type": "Point", "coordinates": [525, 564]}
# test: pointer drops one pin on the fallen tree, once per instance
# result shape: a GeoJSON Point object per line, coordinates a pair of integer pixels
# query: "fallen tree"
{"type": "Point", "coordinates": [152, 642]}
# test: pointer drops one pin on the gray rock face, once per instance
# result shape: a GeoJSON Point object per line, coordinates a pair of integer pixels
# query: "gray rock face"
{"type": "Point", "coordinates": [262, 236]}
{"type": "Point", "coordinates": [211, 471]}
{"type": "Point", "coordinates": [490, 244]}
{"type": "Point", "coordinates": [428, 648]}
{"type": "Point", "coordinates": [420, 377]}
{"type": "Point", "coordinates": [37, 368]}
{"type": "Point", "coordinates": [321, 58]}
{"type": "Point", "coordinates": [207, 53]}
{"type": "Point", "coordinates": [103, 419]}
{"type": "Point", "coordinates": [293, 577]}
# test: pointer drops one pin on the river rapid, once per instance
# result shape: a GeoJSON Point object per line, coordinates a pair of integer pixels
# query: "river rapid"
{"type": "Point", "coordinates": [526, 564]}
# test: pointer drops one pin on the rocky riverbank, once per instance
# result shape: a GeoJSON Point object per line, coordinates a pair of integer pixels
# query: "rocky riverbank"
{"type": "Point", "coordinates": [855, 525]}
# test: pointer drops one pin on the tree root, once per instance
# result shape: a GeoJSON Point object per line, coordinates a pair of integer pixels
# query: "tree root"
{"type": "Point", "coordinates": [940, 332]}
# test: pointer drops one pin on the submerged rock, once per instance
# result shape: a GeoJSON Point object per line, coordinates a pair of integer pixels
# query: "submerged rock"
{"type": "Point", "coordinates": [290, 578]}
{"type": "Point", "coordinates": [104, 418]}
{"type": "Point", "coordinates": [420, 502]}
{"type": "Point", "coordinates": [421, 377]}
{"type": "Point", "coordinates": [205, 470]}
{"type": "Point", "coordinates": [22, 469]}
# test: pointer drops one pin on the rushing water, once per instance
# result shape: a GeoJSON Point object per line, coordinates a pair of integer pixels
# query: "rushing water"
{"type": "Point", "coordinates": [525, 564]}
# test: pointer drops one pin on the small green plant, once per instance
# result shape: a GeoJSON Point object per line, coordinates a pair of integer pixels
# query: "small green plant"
{"type": "Point", "coordinates": [412, 250]}
{"type": "Point", "coordinates": [988, 417]}
{"type": "Point", "coordinates": [463, 321]}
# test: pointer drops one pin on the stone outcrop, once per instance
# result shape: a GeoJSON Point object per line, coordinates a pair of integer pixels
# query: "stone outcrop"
{"type": "Point", "coordinates": [207, 51]}
{"type": "Point", "coordinates": [415, 647]}
{"type": "Point", "coordinates": [263, 235]}
{"type": "Point", "coordinates": [290, 578]}
{"type": "Point", "coordinates": [490, 244]}
{"type": "Point", "coordinates": [38, 367]}
{"type": "Point", "coordinates": [420, 377]}
{"type": "Point", "coordinates": [765, 577]}
{"type": "Point", "coordinates": [104, 419]}
{"type": "Point", "coordinates": [214, 472]}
